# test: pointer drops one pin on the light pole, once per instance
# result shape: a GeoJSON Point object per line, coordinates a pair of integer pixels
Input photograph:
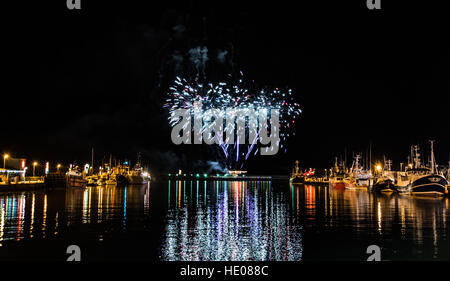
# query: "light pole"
{"type": "Point", "coordinates": [34, 166]}
{"type": "Point", "coordinates": [5, 156]}
{"type": "Point", "coordinates": [57, 167]}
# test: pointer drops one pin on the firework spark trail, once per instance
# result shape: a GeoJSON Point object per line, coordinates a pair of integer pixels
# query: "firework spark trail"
{"type": "Point", "coordinates": [251, 147]}
{"type": "Point", "coordinates": [231, 100]}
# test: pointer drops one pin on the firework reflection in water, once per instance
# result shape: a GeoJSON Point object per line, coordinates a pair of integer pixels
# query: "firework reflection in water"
{"type": "Point", "coordinates": [223, 220]}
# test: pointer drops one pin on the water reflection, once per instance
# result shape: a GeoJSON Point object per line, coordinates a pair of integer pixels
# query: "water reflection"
{"type": "Point", "coordinates": [402, 223]}
{"type": "Point", "coordinates": [223, 220]}
{"type": "Point", "coordinates": [39, 214]}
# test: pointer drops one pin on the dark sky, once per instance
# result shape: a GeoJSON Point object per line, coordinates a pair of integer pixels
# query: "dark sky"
{"type": "Point", "coordinates": [97, 77]}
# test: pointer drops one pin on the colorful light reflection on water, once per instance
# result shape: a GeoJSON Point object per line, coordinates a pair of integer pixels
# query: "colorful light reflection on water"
{"type": "Point", "coordinates": [222, 220]}
{"type": "Point", "coordinates": [229, 220]}
{"type": "Point", "coordinates": [44, 214]}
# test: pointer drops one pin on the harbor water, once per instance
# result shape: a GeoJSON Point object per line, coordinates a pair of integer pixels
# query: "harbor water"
{"type": "Point", "coordinates": [190, 220]}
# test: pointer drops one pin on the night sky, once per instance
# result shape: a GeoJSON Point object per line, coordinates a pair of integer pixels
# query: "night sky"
{"type": "Point", "coordinates": [98, 77]}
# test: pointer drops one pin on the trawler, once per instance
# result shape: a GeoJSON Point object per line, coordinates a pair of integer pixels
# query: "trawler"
{"type": "Point", "coordinates": [385, 181]}
{"type": "Point", "coordinates": [296, 176]}
{"type": "Point", "coordinates": [427, 181]}
{"type": "Point", "coordinates": [137, 174]}
{"type": "Point", "coordinates": [337, 176]}
{"type": "Point", "coordinates": [419, 179]}
{"type": "Point", "coordinates": [74, 178]}
{"type": "Point", "coordinates": [358, 177]}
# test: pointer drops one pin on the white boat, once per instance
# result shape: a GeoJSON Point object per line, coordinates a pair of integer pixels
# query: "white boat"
{"type": "Point", "coordinates": [358, 177]}
{"type": "Point", "coordinates": [74, 178]}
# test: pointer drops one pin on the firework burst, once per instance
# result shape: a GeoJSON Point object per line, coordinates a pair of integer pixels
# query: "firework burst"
{"type": "Point", "coordinates": [229, 99]}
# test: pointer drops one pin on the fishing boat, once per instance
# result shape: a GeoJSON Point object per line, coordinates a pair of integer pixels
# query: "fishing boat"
{"type": "Point", "coordinates": [74, 178]}
{"type": "Point", "coordinates": [421, 180]}
{"type": "Point", "coordinates": [428, 182]}
{"type": "Point", "coordinates": [358, 177]}
{"type": "Point", "coordinates": [385, 182]}
{"type": "Point", "coordinates": [296, 177]}
{"type": "Point", "coordinates": [383, 185]}
{"type": "Point", "coordinates": [337, 176]}
{"type": "Point", "coordinates": [337, 182]}
{"type": "Point", "coordinates": [313, 177]}
{"type": "Point", "coordinates": [137, 174]}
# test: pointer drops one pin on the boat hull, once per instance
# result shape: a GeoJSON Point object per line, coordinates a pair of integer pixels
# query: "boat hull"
{"type": "Point", "coordinates": [429, 185]}
{"type": "Point", "coordinates": [384, 186]}
{"type": "Point", "coordinates": [121, 180]}
{"type": "Point", "coordinates": [337, 184]}
{"type": "Point", "coordinates": [136, 180]}
{"type": "Point", "coordinates": [76, 182]}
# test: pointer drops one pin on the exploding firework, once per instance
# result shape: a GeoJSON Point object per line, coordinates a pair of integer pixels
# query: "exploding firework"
{"type": "Point", "coordinates": [229, 100]}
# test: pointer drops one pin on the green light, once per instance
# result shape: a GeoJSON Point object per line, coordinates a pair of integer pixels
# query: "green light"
{"type": "Point", "coordinates": [205, 175]}
{"type": "Point", "coordinates": [197, 175]}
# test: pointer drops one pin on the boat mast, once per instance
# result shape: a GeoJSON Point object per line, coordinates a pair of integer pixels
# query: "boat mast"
{"type": "Point", "coordinates": [433, 162]}
{"type": "Point", "coordinates": [370, 157]}
{"type": "Point", "coordinates": [416, 157]}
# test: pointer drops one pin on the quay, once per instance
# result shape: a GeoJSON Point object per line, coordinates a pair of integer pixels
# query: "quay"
{"type": "Point", "coordinates": [22, 185]}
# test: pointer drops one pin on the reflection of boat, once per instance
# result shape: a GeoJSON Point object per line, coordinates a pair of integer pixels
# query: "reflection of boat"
{"type": "Point", "coordinates": [74, 178]}
{"type": "Point", "coordinates": [296, 176]}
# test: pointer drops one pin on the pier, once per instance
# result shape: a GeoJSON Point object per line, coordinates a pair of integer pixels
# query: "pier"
{"type": "Point", "coordinates": [23, 185]}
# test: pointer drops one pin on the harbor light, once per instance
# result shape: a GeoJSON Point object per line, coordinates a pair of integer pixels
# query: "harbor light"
{"type": "Point", "coordinates": [5, 156]}
{"type": "Point", "coordinates": [58, 166]}
{"type": "Point", "coordinates": [34, 167]}
{"type": "Point", "coordinates": [378, 167]}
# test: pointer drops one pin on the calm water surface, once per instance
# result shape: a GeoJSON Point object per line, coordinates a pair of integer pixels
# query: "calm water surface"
{"type": "Point", "coordinates": [221, 220]}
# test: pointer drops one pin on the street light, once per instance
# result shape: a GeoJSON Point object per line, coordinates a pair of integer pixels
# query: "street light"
{"type": "Point", "coordinates": [58, 166]}
{"type": "Point", "coordinates": [34, 166]}
{"type": "Point", "coordinates": [5, 156]}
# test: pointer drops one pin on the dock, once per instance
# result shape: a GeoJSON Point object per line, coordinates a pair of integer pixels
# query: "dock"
{"type": "Point", "coordinates": [22, 186]}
